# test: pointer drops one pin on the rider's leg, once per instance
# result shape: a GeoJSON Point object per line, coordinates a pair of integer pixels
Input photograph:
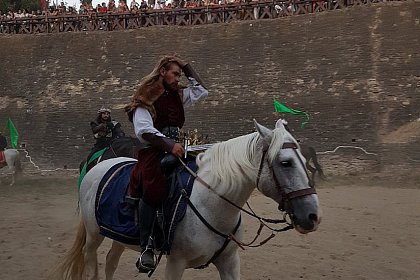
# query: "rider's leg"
{"type": "Point", "coordinates": [154, 192]}
{"type": "Point", "coordinates": [147, 215]}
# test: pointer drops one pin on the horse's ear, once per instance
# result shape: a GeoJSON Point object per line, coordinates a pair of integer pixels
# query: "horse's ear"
{"type": "Point", "coordinates": [265, 134]}
{"type": "Point", "coordinates": [280, 123]}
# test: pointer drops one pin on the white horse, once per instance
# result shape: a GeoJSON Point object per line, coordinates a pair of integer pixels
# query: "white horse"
{"type": "Point", "coordinates": [269, 160]}
{"type": "Point", "coordinates": [12, 158]}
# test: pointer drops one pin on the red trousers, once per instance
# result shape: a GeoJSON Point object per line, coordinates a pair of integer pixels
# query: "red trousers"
{"type": "Point", "coordinates": [148, 172]}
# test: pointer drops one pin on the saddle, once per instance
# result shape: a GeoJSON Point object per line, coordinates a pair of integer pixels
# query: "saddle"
{"type": "Point", "coordinates": [3, 162]}
{"type": "Point", "coordinates": [117, 216]}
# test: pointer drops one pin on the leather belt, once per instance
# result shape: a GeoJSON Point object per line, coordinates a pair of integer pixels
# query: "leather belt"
{"type": "Point", "coordinates": [171, 132]}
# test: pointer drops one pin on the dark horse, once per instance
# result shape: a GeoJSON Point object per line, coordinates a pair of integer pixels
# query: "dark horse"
{"type": "Point", "coordinates": [310, 154]}
{"type": "Point", "coordinates": [126, 146]}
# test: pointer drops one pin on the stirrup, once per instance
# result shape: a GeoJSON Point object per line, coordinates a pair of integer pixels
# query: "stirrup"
{"type": "Point", "coordinates": [142, 268]}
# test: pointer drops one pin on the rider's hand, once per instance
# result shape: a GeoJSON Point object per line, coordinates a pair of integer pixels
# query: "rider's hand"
{"type": "Point", "coordinates": [110, 125]}
{"type": "Point", "coordinates": [178, 60]}
{"type": "Point", "coordinates": [177, 150]}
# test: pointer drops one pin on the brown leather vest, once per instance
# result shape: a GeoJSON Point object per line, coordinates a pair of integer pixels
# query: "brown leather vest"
{"type": "Point", "coordinates": [169, 110]}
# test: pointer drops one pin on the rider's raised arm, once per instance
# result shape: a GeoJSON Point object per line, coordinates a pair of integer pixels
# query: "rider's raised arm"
{"type": "Point", "coordinates": [195, 89]}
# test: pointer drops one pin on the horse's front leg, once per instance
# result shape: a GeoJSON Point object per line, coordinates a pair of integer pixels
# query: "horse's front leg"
{"type": "Point", "coordinates": [229, 266]}
{"type": "Point", "coordinates": [174, 269]}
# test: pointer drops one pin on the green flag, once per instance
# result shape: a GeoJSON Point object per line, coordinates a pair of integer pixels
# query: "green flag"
{"type": "Point", "coordinates": [280, 108]}
{"type": "Point", "coordinates": [14, 135]}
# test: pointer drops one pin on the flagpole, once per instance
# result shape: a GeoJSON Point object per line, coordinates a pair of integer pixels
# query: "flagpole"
{"type": "Point", "coordinates": [45, 8]}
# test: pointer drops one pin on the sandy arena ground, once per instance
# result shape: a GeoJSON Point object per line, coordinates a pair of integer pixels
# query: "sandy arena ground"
{"type": "Point", "coordinates": [370, 230]}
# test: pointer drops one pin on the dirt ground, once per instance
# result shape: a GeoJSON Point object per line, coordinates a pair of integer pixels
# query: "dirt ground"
{"type": "Point", "coordinates": [370, 229]}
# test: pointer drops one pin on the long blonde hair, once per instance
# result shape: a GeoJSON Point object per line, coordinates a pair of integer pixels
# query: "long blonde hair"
{"type": "Point", "coordinates": [147, 92]}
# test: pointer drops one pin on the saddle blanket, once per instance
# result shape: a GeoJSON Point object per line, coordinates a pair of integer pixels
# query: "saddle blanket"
{"type": "Point", "coordinates": [3, 162]}
{"type": "Point", "coordinates": [117, 219]}
{"type": "Point", "coordinates": [89, 164]}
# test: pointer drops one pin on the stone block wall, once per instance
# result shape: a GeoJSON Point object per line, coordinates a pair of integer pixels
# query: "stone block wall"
{"type": "Point", "coordinates": [355, 71]}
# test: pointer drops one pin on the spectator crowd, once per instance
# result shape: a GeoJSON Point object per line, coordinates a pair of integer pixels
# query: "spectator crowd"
{"type": "Point", "coordinates": [121, 7]}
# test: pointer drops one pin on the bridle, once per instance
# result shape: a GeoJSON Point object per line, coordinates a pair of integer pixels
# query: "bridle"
{"type": "Point", "coordinates": [286, 197]}
{"type": "Point", "coordinates": [284, 204]}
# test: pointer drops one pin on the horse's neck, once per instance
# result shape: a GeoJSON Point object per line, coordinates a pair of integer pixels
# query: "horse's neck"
{"type": "Point", "coordinates": [215, 210]}
{"type": "Point", "coordinates": [122, 147]}
{"type": "Point", "coordinates": [214, 197]}
{"type": "Point", "coordinates": [229, 170]}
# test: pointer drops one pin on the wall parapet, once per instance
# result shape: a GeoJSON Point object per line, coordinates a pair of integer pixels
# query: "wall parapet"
{"type": "Point", "coordinates": [176, 17]}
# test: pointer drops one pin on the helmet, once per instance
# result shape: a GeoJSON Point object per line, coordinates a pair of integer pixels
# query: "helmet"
{"type": "Point", "coordinates": [103, 110]}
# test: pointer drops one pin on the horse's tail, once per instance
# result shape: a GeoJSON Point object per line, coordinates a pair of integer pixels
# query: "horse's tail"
{"type": "Point", "coordinates": [73, 263]}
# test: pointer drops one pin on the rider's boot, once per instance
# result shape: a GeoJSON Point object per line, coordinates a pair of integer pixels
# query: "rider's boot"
{"type": "Point", "coordinates": [147, 214]}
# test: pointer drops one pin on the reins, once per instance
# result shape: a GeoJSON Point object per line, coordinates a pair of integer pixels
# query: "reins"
{"type": "Point", "coordinates": [263, 221]}
{"type": "Point", "coordinates": [231, 236]}
{"type": "Point", "coordinates": [252, 214]}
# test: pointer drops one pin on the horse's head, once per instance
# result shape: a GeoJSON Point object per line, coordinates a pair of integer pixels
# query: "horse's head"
{"type": "Point", "coordinates": [282, 176]}
{"type": "Point", "coordinates": [125, 146]}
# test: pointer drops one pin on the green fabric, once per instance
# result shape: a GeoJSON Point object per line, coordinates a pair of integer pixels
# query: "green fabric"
{"type": "Point", "coordinates": [280, 108]}
{"type": "Point", "coordinates": [95, 156]}
{"type": "Point", "coordinates": [14, 135]}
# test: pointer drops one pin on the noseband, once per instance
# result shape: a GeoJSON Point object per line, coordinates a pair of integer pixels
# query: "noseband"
{"type": "Point", "coordinates": [287, 197]}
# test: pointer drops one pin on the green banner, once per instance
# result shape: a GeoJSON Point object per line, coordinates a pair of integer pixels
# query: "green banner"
{"type": "Point", "coordinates": [14, 135]}
{"type": "Point", "coordinates": [281, 108]}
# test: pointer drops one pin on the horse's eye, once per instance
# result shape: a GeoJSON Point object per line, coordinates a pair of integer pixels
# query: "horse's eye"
{"type": "Point", "coordinates": [286, 163]}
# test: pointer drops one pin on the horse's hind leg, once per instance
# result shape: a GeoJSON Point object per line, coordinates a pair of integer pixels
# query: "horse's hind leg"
{"type": "Point", "coordinates": [13, 180]}
{"type": "Point", "coordinates": [319, 168]}
{"type": "Point", "coordinates": [112, 259]}
{"type": "Point", "coordinates": [91, 257]}
{"type": "Point", "coordinates": [13, 176]}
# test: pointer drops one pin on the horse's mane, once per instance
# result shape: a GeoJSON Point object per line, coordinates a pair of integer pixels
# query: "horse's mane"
{"type": "Point", "coordinates": [233, 162]}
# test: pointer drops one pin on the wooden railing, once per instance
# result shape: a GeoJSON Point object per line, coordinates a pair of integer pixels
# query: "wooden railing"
{"type": "Point", "coordinates": [190, 16]}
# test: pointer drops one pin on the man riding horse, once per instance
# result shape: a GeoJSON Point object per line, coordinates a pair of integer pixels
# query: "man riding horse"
{"type": "Point", "coordinates": [157, 113]}
{"type": "Point", "coordinates": [104, 131]}
{"type": "Point", "coordinates": [3, 142]}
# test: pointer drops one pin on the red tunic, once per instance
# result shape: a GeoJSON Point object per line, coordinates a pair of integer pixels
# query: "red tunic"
{"type": "Point", "coordinates": [169, 112]}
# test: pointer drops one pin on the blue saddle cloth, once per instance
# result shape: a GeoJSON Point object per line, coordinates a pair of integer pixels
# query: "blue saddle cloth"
{"type": "Point", "coordinates": [117, 219]}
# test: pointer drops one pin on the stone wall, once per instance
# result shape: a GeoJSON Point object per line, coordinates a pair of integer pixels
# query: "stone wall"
{"type": "Point", "coordinates": [355, 71]}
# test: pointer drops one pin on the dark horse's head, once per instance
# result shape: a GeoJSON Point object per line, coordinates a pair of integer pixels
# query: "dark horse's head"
{"type": "Point", "coordinates": [125, 146]}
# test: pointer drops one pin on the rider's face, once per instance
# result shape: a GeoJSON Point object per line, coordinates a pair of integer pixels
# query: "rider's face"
{"type": "Point", "coordinates": [171, 76]}
{"type": "Point", "coordinates": [105, 116]}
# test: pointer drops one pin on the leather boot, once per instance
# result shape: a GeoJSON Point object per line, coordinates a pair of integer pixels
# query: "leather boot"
{"type": "Point", "coordinates": [147, 214]}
